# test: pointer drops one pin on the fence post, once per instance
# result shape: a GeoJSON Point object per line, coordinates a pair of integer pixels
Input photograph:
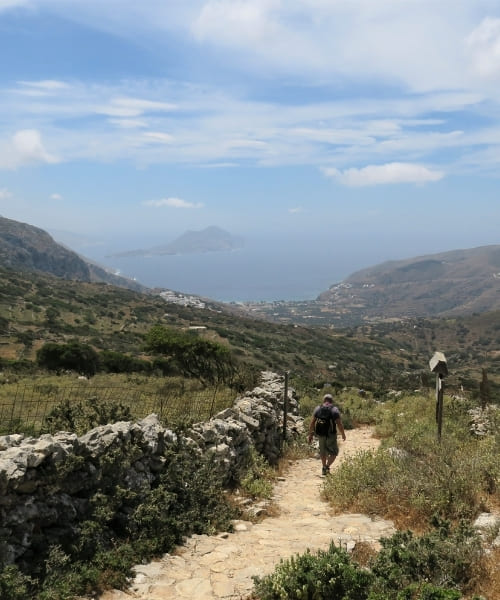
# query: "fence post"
{"type": "Point", "coordinates": [439, 366]}
{"type": "Point", "coordinates": [285, 405]}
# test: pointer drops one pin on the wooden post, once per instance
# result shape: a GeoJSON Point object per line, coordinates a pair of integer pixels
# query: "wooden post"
{"type": "Point", "coordinates": [439, 366]}
{"type": "Point", "coordinates": [439, 404]}
{"type": "Point", "coordinates": [285, 405]}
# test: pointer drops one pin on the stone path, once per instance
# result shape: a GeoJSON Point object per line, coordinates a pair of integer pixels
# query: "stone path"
{"type": "Point", "coordinates": [221, 567]}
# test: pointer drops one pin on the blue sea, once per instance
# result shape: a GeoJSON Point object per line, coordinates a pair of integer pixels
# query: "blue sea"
{"type": "Point", "coordinates": [265, 269]}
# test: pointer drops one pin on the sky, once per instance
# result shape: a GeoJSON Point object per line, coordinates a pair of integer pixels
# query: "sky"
{"type": "Point", "coordinates": [376, 123]}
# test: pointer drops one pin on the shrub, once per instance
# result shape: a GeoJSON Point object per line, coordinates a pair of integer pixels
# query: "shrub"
{"type": "Point", "coordinates": [440, 565]}
{"type": "Point", "coordinates": [325, 575]}
{"type": "Point", "coordinates": [74, 356]}
{"type": "Point", "coordinates": [207, 361]}
{"type": "Point", "coordinates": [13, 584]}
{"type": "Point", "coordinates": [420, 476]}
{"type": "Point", "coordinates": [258, 479]}
{"type": "Point", "coordinates": [444, 557]}
{"type": "Point", "coordinates": [79, 417]}
{"type": "Point", "coordinates": [116, 362]}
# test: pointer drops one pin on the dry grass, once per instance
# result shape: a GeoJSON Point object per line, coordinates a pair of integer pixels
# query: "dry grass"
{"type": "Point", "coordinates": [363, 553]}
{"type": "Point", "coordinates": [25, 404]}
{"type": "Point", "coordinates": [490, 587]}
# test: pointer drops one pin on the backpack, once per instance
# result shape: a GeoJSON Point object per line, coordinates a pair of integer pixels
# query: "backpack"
{"type": "Point", "coordinates": [324, 418]}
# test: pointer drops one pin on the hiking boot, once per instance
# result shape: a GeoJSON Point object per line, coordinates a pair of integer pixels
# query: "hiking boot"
{"type": "Point", "coordinates": [325, 470]}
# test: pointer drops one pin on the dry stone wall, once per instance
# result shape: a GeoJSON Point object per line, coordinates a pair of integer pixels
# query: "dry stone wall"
{"type": "Point", "coordinates": [46, 482]}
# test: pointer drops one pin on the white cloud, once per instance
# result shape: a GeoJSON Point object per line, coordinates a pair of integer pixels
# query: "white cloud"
{"type": "Point", "coordinates": [389, 173]}
{"type": "Point", "coordinates": [173, 203]}
{"type": "Point", "coordinates": [133, 107]}
{"type": "Point", "coordinates": [417, 44]}
{"type": "Point", "coordinates": [484, 46]}
{"type": "Point", "coordinates": [5, 194]}
{"type": "Point", "coordinates": [236, 21]}
{"type": "Point", "coordinates": [46, 84]}
{"type": "Point", "coordinates": [5, 4]}
{"type": "Point", "coordinates": [56, 197]}
{"type": "Point", "coordinates": [29, 147]}
{"type": "Point", "coordinates": [128, 123]}
{"type": "Point", "coordinates": [256, 144]}
{"type": "Point", "coordinates": [41, 89]}
{"type": "Point", "coordinates": [218, 128]}
{"type": "Point", "coordinates": [24, 148]}
{"type": "Point", "coordinates": [297, 209]}
{"type": "Point", "coordinates": [157, 136]}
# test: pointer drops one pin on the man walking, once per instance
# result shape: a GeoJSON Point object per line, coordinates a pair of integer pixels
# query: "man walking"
{"type": "Point", "coordinates": [324, 423]}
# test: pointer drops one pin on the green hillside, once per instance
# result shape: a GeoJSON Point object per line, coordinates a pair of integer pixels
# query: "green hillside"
{"type": "Point", "coordinates": [37, 308]}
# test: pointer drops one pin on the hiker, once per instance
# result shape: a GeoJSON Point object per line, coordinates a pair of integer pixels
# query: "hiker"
{"type": "Point", "coordinates": [324, 423]}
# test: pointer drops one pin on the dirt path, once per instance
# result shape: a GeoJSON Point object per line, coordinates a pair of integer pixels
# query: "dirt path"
{"type": "Point", "coordinates": [221, 567]}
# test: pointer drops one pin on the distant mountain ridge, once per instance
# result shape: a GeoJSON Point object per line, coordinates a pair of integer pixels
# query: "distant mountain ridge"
{"type": "Point", "coordinates": [458, 282]}
{"type": "Point", "coordinates": [28, 248]}
{"type": "Point", "coordinates": [448, 284]}
{"type": "Point", "coordinates": [210, 239]}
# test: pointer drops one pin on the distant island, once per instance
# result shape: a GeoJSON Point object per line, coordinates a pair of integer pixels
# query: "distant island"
{"type": "Point", "coordinates": [211, 239]}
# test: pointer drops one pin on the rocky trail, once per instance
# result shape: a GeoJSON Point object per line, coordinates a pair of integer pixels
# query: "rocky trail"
{"type": "Point", "coordinates": [221, 567]}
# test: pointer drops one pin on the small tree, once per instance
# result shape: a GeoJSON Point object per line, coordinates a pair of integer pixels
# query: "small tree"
{"type": "Point", "coordinates": [51, 315]}
{"type": "Point", "coordinates": [73, 355]}
{"type": "Point", "coordinates": [207, 361]}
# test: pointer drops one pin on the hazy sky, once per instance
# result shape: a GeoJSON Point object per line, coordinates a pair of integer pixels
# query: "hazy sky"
{"type": "Point", "coordinates": [150, 117]}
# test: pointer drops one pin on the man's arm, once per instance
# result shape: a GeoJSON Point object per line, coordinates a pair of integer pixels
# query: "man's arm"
{"type": "Point", "coordinates": [340, 426]}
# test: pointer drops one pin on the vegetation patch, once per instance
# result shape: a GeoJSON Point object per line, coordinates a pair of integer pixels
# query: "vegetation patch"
{"type": "Point", "coordinates": [413, 476]}
{"type": "Point", "coordinates": [440, 565]}
{"type": "Point", "coordinates": [124, 527]}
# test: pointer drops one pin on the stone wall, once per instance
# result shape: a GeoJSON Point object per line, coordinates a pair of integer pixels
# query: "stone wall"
{"type": "Point", "coordinates": [45, 482]}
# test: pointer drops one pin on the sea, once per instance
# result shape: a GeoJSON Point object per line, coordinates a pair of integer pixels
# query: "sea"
{"type": "Point", "coordinates": [265, 269]}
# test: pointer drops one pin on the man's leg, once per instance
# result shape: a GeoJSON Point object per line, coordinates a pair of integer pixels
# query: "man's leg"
{"type": "Point", "coordinates": [331, 458]}
{"type": "Point", "coordinates": [323, 453]}
{"type": "Point", "coordinates": [333, 450]}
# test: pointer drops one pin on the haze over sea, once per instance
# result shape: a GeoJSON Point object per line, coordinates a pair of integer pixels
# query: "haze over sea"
{"type": "Point", "coordinates": [263, 270]}
{"type": "Point", "coordinates": [267, 268]}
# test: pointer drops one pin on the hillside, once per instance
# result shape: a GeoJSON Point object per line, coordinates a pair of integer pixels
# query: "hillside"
{"type": "Point", "coordinates": [28, 248]}
{"type": "Point", "coordinates": [451, 284]}
{"type": "Point", "coordinates": [49, 293]}
{"type": "Point", "coordinates": [36, 308]}
{"type": "Point", "coordinates": [460, 282]}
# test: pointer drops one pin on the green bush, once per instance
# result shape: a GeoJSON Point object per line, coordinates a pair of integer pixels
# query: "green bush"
{"type": "Point", "coordinates": [14, 585]}
{"type": "Point", "coordinates": [81, 416]}
{"type": "Point", "coordinates": [116, 362]}
{"type": "Point", "coordinates": [258, 479]}
{"type": "Point", "coordinates": [74, 356]}
{"type": "Point", "coordinates": [440, 565]}
{"type": "Point", "coordinates": [196, 357]}
{"type": "Point", "coordinates": [444, 557]}
{"type": "Point", "coordinates": [326, 575]}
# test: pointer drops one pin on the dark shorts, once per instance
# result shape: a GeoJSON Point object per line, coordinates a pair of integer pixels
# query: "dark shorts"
{"type": "Point", "coordinates": [328, 445]}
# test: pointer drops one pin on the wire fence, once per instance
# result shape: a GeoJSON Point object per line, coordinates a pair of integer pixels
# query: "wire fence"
{"type": "Point", "coordinates": [29, 408]}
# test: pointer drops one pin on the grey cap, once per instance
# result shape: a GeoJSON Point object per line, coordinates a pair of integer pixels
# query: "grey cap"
{"type": "Point", "coordinates": [328, 397]}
